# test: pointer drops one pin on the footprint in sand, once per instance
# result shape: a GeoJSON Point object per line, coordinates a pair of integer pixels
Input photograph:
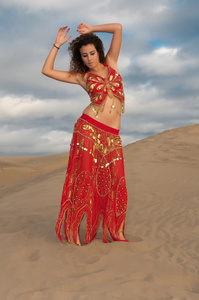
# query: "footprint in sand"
{"type": "Point", "coordinates": [33, 255]}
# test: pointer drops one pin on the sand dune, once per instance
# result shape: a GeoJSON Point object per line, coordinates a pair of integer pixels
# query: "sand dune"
{"type": "Point", "coordinates": [160, 261]}
{"type": "Point", "coordinates": [19, 169]}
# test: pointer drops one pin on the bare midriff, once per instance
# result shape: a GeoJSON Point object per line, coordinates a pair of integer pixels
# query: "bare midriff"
{"type": "Point", "coordinates": [108, 113]}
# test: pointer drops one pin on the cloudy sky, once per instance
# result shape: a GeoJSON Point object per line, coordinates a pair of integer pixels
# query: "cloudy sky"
{"type": "Point", "coordinates": [159, 63]}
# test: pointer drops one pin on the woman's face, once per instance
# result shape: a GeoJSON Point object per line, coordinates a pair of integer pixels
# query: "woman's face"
{"type": "Point", "coordinates": [89, 55]}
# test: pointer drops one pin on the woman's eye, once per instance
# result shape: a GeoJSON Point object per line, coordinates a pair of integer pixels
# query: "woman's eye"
{"type": "Point", "coordinates": [84, 55]}
{"type": "Point", "coordinates": [92, 53]}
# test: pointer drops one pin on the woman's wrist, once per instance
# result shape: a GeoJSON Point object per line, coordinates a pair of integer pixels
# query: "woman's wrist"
{"type": "Point", "coordinates": [57, 46]}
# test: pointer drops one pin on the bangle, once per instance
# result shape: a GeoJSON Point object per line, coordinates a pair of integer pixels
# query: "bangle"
{"type": "Point", "coordinates": [56, 47]}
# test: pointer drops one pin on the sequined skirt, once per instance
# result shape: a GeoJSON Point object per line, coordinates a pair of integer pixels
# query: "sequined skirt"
{"type": "Point", "coordinates": [95, 182]}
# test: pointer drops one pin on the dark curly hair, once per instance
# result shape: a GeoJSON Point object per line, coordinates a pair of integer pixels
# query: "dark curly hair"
{"type": "Point", "coordinates": [76, 63]}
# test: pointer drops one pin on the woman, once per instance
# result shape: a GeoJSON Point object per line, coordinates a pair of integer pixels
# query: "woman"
{"type": "Point", "coordinates": [95, 183]}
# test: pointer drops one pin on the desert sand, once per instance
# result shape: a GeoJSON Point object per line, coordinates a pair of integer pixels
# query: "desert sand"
{"type": "Point", "coordinates": [161, 261]}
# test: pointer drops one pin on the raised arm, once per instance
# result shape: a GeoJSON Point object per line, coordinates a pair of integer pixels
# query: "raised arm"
{"type": "Point", "coordinates": [114, 28]}
{"type": "Point", "coordinates": [48, 68]}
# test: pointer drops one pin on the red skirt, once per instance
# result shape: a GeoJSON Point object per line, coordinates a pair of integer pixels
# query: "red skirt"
{"type": "Point", "coordinates": [95, 182]}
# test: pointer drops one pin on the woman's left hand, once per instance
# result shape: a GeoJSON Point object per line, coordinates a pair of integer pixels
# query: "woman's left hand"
{"type": "Point", "coordinates": [84, 28]}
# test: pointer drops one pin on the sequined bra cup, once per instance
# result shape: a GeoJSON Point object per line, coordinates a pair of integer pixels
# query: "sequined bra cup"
{"type": "Point", "coordinates": [99, 88]}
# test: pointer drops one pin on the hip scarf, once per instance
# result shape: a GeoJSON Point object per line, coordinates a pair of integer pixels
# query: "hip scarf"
{"type": "Point", "coordinates": [95, 182]}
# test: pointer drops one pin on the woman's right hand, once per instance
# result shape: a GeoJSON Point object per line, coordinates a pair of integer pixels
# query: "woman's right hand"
{"type": "Point", "coordinates": [62, 37]}
{"type": "Point", "coordinates": [84, 28]}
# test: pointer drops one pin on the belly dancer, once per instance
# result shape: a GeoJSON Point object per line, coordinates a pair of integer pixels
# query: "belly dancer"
{"type": "Point", "coordinates": [95, 183]}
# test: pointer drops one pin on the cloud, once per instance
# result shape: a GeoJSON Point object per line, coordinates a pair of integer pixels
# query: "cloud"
{"type": "Point", "coordinates": [160, 8]}
{"type": "Point", "coordinates": [32, 109]}
{"type": "Point", "coordinates": [166, 61]}
{"type": "Point", "coordinates": [147, 99]}
{"type": "Point", "coordinates": [31, 141]}
{"type": "Point", "coordinates": [33, 6]}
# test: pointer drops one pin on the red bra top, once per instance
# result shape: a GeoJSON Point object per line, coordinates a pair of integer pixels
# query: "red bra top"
{"type": "Point", "coordinates": [99, 88]}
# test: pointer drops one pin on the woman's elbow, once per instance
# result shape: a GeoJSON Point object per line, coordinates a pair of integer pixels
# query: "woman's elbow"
{"type": "Point", "coordinates": [43, 71]}
{"type": "Point", "coordinates": [119, 26]}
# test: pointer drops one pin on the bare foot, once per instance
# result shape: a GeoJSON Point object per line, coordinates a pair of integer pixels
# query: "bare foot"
{"type": "Point", "coordinates": [78, 241]}
{"type": "Point", "coordinates": [121, 235]}
{"type": "Point", "coordinates": [121, 232]}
